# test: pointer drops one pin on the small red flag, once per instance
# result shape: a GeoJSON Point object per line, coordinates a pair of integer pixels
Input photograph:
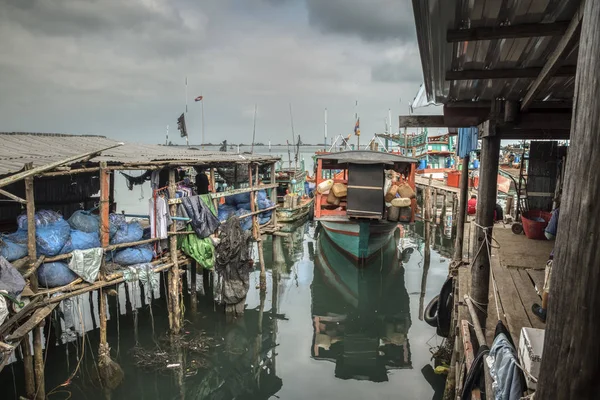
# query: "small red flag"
{"type": "Point", "coordinates": [199, 98]}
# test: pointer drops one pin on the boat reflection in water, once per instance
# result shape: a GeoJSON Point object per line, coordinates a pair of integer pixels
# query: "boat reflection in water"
{"type": "Point", "coordinates": [360, 311]}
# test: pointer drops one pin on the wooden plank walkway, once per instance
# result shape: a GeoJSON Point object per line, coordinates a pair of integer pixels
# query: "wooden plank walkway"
{"type": "Point", "coordinates": [424, 182]}
{"type": "Point", "coordinates": [518, 286]}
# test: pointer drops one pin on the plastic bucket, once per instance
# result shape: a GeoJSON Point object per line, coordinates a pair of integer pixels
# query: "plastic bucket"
{"type": "Point", "coordinates": [535, 229]}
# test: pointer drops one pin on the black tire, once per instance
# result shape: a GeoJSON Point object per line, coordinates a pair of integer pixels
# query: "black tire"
{"type": "Point", "coordinates": [445, 306]}
{"type": "Point", "coordinates": [430, 314]}
{"type": "Point", "coordinates": [516, 228]}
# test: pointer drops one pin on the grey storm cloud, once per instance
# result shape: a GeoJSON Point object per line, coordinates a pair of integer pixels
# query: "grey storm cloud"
{"type": "Point", "coordinates": [118, 68]}
{"type": "Point", "coordinates": [371, 20]}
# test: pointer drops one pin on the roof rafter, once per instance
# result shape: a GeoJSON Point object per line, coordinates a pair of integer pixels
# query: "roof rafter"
{"type": "Point", "coordinates": [506, 32]}
{"type": "Point", "coordinates": [553, 64]}
{"type": "Point", "coordinates": [506, 73]}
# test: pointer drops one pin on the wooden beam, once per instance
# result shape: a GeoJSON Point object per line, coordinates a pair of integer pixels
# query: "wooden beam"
{"type": "Point", "coordinates": [462, 213]}
{"type": "Point", "coordinates": [553, 63]}
{"type": "Point", "coordinates": [541, 105]}
{"type": "Point", "coordinates": [508, 133]}
{"type": "Point", "coordinates": [13, 197]}
{"type": "Point", "coordinates": [505, 73]}
{"type": "Point", "coordinates": [421, 121]}
{"type": "Point", "coordinates": [506, 32]}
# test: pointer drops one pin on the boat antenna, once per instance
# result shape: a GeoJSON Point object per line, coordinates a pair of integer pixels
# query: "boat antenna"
{"type": "Point", "coordinates": [253, 131]}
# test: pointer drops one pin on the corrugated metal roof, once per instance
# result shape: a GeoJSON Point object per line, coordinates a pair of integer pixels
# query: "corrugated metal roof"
{"type": "Point", "coordinates": [18, 149]}
{"type": "Point", "coordinates": [366, 157]}
{"type": "Point", "coordinates": [435, 17]}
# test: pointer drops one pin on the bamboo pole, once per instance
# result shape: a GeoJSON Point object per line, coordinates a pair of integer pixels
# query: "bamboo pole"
{"type": "Point", "coordinates": [274, 192]}
{"type": "Point", "coordinates": [462, 210]}
{"type": "Point", "coordinates": [175, 284]}
{"type": "Point", "coordinates": [106, 249]}
{"type": "Point", "coordinates": [434, 204]}
{"type": "Point", "coordinates": [38, 357]}
{"type": "Point", "coordinates": [261, 257]}
{"type": "Point", "coordinates": [28, 367]}
{"type": "Point", "coordinates": [213, 187]}
{"type": "Point", "coordinates": [31, 246]}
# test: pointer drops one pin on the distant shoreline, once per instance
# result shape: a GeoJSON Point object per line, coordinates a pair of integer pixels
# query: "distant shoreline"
{"type": "Point", "coordinates": [245, 145]}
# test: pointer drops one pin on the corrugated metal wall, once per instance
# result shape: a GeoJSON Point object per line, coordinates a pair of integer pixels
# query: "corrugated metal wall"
{"type": "Point", "coordinates": [544, 160]}
{"type": "Point", "coordinates": [65, 194]}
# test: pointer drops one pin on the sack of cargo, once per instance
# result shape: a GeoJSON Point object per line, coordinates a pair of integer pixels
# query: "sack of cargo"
{"type": "Point", "coordinates": [42, 218]}
{"type": "Point", "coordinates": [128, 233]}
{"type": "Point", "coordinates": [406, 191]}
{"type": "Point", "coordinates": [332, 199]}
{"type": "Point", "coordinates": [246, 222]}
{"type": "Point", "coordinates": [115, 222]}
{"type": "Point", "coordinates": [324, 186]}
{"type": "Point", "coordinates": [225, 211]}
{"type": "Point", "coordinates": [339, 190]}
{"type": "Point", "coordinates": [85, 222]}
{"type": "Point", "coordinates": [55, 274]}
{"type": "Point", "coordinates": [14, 246]}
{"type": "Point", "coordinates": [52, 237]}
{"type": "Point", "coordinates": [401, 202]}
{"type": "Point", "coordinates": [134, 255]}
{"type": "Point", "coordinates": [391, 194]}
{"type": "Point", "coordinates": [81, 241]}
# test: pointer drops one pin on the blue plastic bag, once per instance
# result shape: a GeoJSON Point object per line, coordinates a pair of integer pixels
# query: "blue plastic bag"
{"type": "Point", "coordinates": [245, 223]}
{"type": "Point", "coordinates": [263, 219]}
{"type": "Point", "coordinates": [55, 274]}
{"type": "Point", "coordinates": [115, 222]}
{"type": "Point", "coordinates": [50, 238]}
{"type": "Point", "coordinates": [225, 211]}
{"type": "Point", "coordinates": [261, 195]}
{"type": "Point", "coordinates": [128, 233]}
{"type": "Point", "coordinates": [134, 255]}
{"type": "Point", "coordinates": [85, 222]}
{"type": "Point", "coordinates": [244, 206]}
{"type": "Point", "coordinates": [11, 250]}
{"type": "Point", "coordinates": [265, 203]}
{"type": "Point", "coordinates": [81, 241]}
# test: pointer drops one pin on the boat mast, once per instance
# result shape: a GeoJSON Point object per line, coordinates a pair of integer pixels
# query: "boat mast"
{"type": "Point", "coordinates": [325, 129]}
{"type": "Point", "coordinates": [254, 132]}
{"type": "Point", "coordinates": [293, 141]}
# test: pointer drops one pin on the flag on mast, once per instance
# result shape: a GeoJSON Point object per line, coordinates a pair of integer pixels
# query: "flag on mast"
{"type": "Point", "coordinates": [199, 98]}
{"type": "Point", "coordinates": [357, 127]}
{"type": "Point", "coordinates": [181, 125]}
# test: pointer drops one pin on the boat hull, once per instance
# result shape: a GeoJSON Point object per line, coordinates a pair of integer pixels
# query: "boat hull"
{"type": "Point", "coordinates": [359, 239]}
{"type": "Point", "coordinates": [294, 214]}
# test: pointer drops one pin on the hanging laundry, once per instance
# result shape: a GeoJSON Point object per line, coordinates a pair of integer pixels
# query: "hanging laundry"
{"type": "Point", "coordinates": [86, 263]}
{"type": "Point", "coordinates": [159, 218]}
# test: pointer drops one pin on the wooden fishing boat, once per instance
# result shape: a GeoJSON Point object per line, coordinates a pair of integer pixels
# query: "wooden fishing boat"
{"type": "Point", "coordinates": [358, 224]}
{"type": "Point", "coordinates": [292, 197]}
{"type": "Point", "coordinates": [361, 317]}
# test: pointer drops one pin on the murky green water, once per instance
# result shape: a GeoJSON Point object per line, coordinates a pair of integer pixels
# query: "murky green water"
{"type": "Point", "coordinates": [326, 328]}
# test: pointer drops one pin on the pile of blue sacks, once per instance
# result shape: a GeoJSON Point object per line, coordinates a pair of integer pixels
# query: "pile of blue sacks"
{"type": "Point", "coordinates": [56, 236]}
{"type": "Point", "coordinates": [239, 204]}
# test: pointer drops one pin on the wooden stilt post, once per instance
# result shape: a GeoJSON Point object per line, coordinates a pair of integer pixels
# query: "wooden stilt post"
{"type": "Point", "coordinates": [462, 209]}
{"type": "Point", "coordinates": [31, 247]}
{"type": "Point", "coordinates": [486, 204]}
{"type": "Point", "coordinates": [103, 349]}
{"type": "Point", "coordinates": [28, 367]}
{"type": "Point", "coordinates": [213, 186]}
{"type": "Point", "coordinates": [174, 278]}
{"type": "Point", "coordinates": [443, 212]}
{"type": "Point", "coordinates": [38, 356]}
{"type": "Point", "coordinates": [256, 230]}
{"type": "Point", "coordinates": [274, 192]}
{"type": "Point", "coordinates": [570, 367]}
{"type": "Point", "coordinates": [435, 204]}
{"type": "Point", "coordinates": [454, 210]}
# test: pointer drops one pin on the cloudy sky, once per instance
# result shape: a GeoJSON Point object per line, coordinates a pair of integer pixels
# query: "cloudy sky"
{"type": "Point", "coordinates": [117, 68]}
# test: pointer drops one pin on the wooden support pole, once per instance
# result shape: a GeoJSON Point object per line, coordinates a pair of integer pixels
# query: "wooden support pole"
{"type": "Point", "coordinates": [28, 368]}
{"type": "Point", "coordinates": [274, 192]}
{"type": "Point", "coordinates": [174, 277]}
{"type": "Point", "coordinates": [103, 347]}
{"type": "Point", "coordinates": [435, 205]}
{"type": "Point", "coordinates": [462, 209]}
{"type": "Point", "coordinates": [213, 187]}
{"type": "Point", "coordinates": [256, 230]}
{"type": "Point", "coordinates": [486, 205]}
{"type": "Point", "coordinates": [454, 210]}
{"type": "Point", "coordinates": [570, 367]}
{"type": "Point", "coordinates": [104, 205]}
{"type": "Point", "coordinates": [38, 358]}
{"type": "Point", "coordinates": [31, 246]}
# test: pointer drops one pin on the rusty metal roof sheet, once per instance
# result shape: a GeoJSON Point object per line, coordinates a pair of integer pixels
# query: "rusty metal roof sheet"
{"type": "Point", "coordinates": [18, 149]}
{"type": "Point", "coordinates": [435, 17]}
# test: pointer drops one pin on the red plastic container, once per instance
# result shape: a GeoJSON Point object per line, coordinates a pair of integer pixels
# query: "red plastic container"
{"type": "Point", "coordinates": [535, 229]}
{"type": "Point", "coordinates": [453, 179]}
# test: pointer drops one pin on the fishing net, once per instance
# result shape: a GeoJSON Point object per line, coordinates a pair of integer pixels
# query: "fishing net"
{"type": "Point", "coordinates": [136, 180]}
{"type": "Point", "coordinates": [233, 261]}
